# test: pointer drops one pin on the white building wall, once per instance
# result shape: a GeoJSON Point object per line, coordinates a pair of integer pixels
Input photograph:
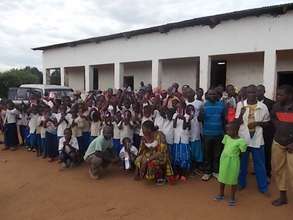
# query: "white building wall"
{"type": "Point", "coordinates": [249, 34]}
{"type": "Point", "coordinates": [244, 69]}
{"type": "Point", "coordinates": [106, 76]}
{"type": "Point", "coordinates": [75, 78]}
{"type": "Point", "coordinates": [141, 71]}
{"type": "Point", "coordinates": [182, 71]}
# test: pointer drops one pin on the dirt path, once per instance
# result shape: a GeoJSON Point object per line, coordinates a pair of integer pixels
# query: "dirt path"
{"type": "Point", "coordinates": [33, 189]}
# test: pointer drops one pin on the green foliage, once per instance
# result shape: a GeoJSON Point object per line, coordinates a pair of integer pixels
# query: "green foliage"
{"type": "Point", "coordinates": [16, 77]}
{"type": "Point", "coordinates": [55, 78]}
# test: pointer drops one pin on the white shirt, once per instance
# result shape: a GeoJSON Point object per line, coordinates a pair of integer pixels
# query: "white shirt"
{"type": "Point", "coordinates": [73, 142]}
{"type": "Point", "coordinates": [42, 128]}
{"type": "Point", "coordinates": [77, 129]}
{"type": "Point", "coordinates": [168, 131]}
{"type": "Point", "coordinates": [11, 116]}
{"type": "Point", "coordinates": [194, 130]}
{"type": "Point", "coordinates": [197, 104]}
{"type": "Point", "coordinates": [124, 155]}
{"type": "Point", "coordinates": [181, 135]}
{"type": "Point", "coordinates": [261, 115]}
{"type": "Point", "coordinates": [63, 125]}
{"type": "Point", "coordinates": [96, 127]}
{"type": "Point", "coordinates": [142, 121]}
{"type": "Point", "coordinates": [22, 119]}
{"type": "Point", "coordinates": [33, 123]}
{"type": "Point", "coordinates": [126, 131]}
{"type": "Point", "coordinates": [158, 119]}
{"type": "Point", "coordinates": [116, 131]}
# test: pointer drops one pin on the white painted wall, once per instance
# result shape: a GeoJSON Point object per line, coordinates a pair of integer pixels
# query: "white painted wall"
{"type": "Point", "coordinates": [182, 71]}
{"type": "Point", "coordinates": [106, 76]}
{"type": "Point", "coordinates": [75, 77]}
{"type": "Point", "coordinates": [249, 34]}
{"type": "Point", "coordinates": [141, 71]}
{"type": "Point", "coordinates": [244, 69]}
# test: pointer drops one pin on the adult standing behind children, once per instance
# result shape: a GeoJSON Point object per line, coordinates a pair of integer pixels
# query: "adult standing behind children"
{"type": "Point", "coordinates": [282, 149]}
{"type": "Point", "coordinates": [253, 116]}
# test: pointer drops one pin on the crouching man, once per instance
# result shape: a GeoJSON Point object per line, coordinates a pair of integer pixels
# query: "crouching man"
{"type": "Point", "coordinates": [100, 153]}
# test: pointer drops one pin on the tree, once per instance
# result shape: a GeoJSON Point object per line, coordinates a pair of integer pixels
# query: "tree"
{"type": "Point", "coordinates": [16, 77]}
{"type": "Point", "coordinates": [55, 78]}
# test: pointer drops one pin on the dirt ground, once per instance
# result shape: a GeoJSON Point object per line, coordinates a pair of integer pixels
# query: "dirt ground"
{"type": "Point", "coordinates": [31, 188]}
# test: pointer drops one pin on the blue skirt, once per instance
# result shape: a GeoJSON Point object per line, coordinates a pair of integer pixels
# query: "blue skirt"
{"type": "Point", "coordinates": [33, 141]}
{"type": "Point", "coordinates": [86, 139]}
{"type": "Point", "coordinates": [182, 156]}
{"type": "Point", "coordinates": [117, 146]}
{"type": "Point", "coordinates": [171, 149]}
{"type": "Point", "coordinates": [196, 151]}
{"type": "Point", "coordinates": [81, 146]}
{"type": "Point", "coordinates": [51, 145]}
{"type": "Point", "coordinates": [10, 135]}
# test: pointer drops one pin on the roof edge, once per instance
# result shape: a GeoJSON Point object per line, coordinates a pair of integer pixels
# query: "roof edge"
{"type": "Point", "coordinates": [212, 21]}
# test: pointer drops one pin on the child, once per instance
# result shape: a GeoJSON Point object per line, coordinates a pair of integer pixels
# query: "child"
{"type": "Point", "coordinates": [147, 116]}
{"type": "Point", "coordinates": [23, 125]}
{"type": "Point", "coordinates": [77, 126]}
{"type": "Point", "coordinates": [126, 126]}
{"type": "Point", "coordinates": [10, 128]}
{"type": "Point", "coordinates": [128, 154]}
{"type": "Point", "coordinates": [68, 149]}
{"type": "Point", "coordinates": [116, 132]}
{"type": "Point", "coordinates": [42, 129]}
{"type": "Point", "coordinates": [230, 102]}
{"type": "Point", "coordinates": [195, 139]}
{"type": "Point", "coordinates": [33, 124]}
{"type": "Point", "coordinates": [230, 161]}
{"type": "Point", "coordinates": [137, 125]}
{"type": "Point", "coordinates": [181, 143]}
{"type": "Point", "coordinates": [168, 131]}
{"type": "Point", "coordinates": [96, 124]}
{"type": "Point", "coordinates": [51, 135]}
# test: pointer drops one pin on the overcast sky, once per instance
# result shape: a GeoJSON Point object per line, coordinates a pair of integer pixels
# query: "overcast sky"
{"type": "Point", "coordinates": [31, 23]}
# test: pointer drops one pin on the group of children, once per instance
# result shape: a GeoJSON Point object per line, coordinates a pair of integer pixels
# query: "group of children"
{"type": "Point", "coordinates": [193, 124]}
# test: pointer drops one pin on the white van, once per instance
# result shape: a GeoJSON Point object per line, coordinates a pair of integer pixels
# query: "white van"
{"type": "Point", "coordinates": [25, 91]}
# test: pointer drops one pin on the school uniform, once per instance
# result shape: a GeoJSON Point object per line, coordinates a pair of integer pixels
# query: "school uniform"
{"type": "Point", "coordinates": [181, 144]}
{"type": "Point", "coordinates": [195, 141]}
{"type": "Point", "coordinates": [126, 131]}
{"type": "Point", "coordinates": [51, 139]}
{"type": "Point", "coordinates": [86, 132]}
{"type": "Point", "coordinates": [10, 128]}
{"type": "Point", "coordinates": [65, 152]}
{"type": "Point", "coordinates": [168, 130]}
{"type": "Point", "coordinates": [33, 124]}
{"type": "Point", "coordinates": [128, 159]}
{"type": "Point", "coordinates": [158, 120]}
{"type": "Point", "coordinates": [116, 137]}
{"type": "Point", "coordinates": [96, 127]}
{"type": "Point", "coordinates": [22, 122]}
{"type": "Point", "coordinates": [42, 128]}
{"type": "Point", "coordinates": [77, 132]}
{"type": "Point", "coordinates": [255, 142]}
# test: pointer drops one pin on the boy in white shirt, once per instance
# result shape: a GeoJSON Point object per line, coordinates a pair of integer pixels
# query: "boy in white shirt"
{"type": "Point", "coordinates": [68, 149]}
{"type": "Point", "coordinates": [128, 154]}
{"type": "Point", "coordinates": [33, 124]}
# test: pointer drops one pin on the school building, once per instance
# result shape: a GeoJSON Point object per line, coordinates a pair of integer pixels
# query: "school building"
{"type": "Point", "coordinates": [252, 46]}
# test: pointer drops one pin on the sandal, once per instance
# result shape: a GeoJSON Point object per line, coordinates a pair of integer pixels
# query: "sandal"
{"type": "Point", "coordinates": [219, 198]}
{"type": "Point", "coordinates": [206, 177]}
{"type": "Point", "coordinates": [232, 202]}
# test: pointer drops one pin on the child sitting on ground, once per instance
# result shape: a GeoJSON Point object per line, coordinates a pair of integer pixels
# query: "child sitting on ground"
{"type": "Point", "coordinates": [68, 149]}
{"type": "Point", "coordinates": [128, 154]}
{"type": "Point", "coordinates": [230, 161]}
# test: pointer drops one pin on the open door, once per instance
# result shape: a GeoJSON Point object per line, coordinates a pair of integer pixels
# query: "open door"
{"type": "Point", "coordinates": [285, 78]}
{"type": "Point", "coordinates": [129, 82]}
{"type": "Point", "coordinates": [218, 73]}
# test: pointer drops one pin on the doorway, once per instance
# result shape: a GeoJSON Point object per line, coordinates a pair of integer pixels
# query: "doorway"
{"type": "Point", "coordinates": [129, 82]}
{"type": "Point", "coordinates": [218, 73]}
{"type": "Point", "coordinates": [96, 79]}
{"type": "Point", "coordinates": [285, 78]}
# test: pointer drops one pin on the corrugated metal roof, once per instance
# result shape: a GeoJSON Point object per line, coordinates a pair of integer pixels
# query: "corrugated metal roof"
{"type": "Point", "coordinates": [211, 21]}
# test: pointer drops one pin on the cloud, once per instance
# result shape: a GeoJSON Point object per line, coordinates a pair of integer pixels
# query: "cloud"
{"type": "Point", "coordinates": [30, 23]}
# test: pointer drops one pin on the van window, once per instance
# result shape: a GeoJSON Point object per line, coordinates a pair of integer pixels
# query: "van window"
{"type": "Point", "coordinates": [60, 92]}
